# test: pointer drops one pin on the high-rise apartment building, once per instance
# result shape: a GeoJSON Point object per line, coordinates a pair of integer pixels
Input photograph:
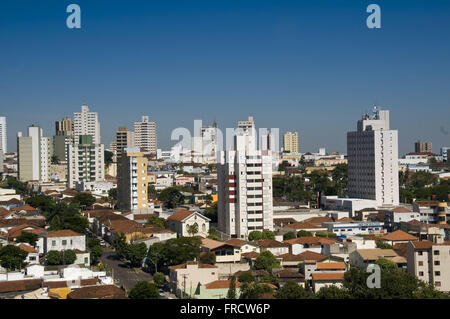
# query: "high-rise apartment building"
{"type": "Point", "coordinates": [34, 155]}
{"type": "Point", "coordinates": [65, 125]}
{"type": "Point", "coordinates": [290, 144]}
{"type": "Point", "coordinates": [63, 138]}
{"type": "Point", "coordinates": [85, 161]}
{"type": "Point", "coordinates": [124, 139]}
{"type": "Point", "coordinates": [372, 153]}
{"type": "Point", "coordinates": [423, 147]}
{"type": "Point", "coordinates": [245, 185]}
{"type": "Point", "coordinates": [3, 135]}
{"type": "Point", "coordinates": [145, 135]}
{"type": "Point", "coordinates": [444, 153]}
{"type": "Point", "coordinates": [132, 181]}
{"type": "Point", "coordinates": [86, 123]}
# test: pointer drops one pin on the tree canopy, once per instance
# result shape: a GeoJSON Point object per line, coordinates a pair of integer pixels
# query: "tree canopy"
{"type": "Point", "coordinates": [12, 257]}
{"type": "Point", "coordinates": [144, 290]}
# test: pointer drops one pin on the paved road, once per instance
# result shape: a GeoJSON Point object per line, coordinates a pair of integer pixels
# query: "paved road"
{"type": "Point", "coordinates": [123, 275]}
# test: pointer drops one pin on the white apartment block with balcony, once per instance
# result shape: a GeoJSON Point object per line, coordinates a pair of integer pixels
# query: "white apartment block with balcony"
{"type": "Point", "coordinates": [372, 153]}
{"type": "Point", "coordinates": [3, 135]}
{"type": "Point", "coordinates": [245, 185]}
{"type": "Point", "coordinates": [145, 135]}
{"type": "Point", "coordinates": [86, 123]}
{"type": "Point", "coordinates": [85, 162]}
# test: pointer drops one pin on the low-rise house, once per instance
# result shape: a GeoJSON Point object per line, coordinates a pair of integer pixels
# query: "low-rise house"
{"type": "Point", "coordinates": [182, 220]}
{"type": "Point", "coordinates": [285, 275]}
{"type": "Point", "coordinates": [244, 246]}
{"type": "Point", "coordinates": [33, 255]}
{"type": "Point", "coordinates": [275, 247]}
{"type": "Point", "coordinates": [430, 262]}
{"type": "Point", "coordinates": [324, 279]}
{"type": "Point", "coordinates": [341, 248]}
{"type": "Point", "coordinates": [217, 289]}
{"type": "Point", "coordinates": [224, 252]}
{"type": "Point", "coordinates": [362, 258]}
{"type": "Point", "coordinates": [306, 226]}
{"type": "Point", "coordinates": [310, 243]}
{"type": "Point", "coordinates": [185, 278]}
{"type": "Point", "coordinates": [98, 292]}
{"type": "Point", "coordinates": [290, 260]}
{"type": "Point", "coordinates": [398, 237]}
{"type": "Point", "coordinates": [60, 240]}
{"type": "Point", "coordinates": [394, 217]}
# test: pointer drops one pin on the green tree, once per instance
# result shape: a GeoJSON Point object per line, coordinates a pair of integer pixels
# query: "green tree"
{"type": "Point", "coordinates": [283, 166]}
{"type": "Point", "coordinates": [108, 158]}
{"type": "Point", "coordinates": [172, 197]}
{"type": "Point", "coordinates": [340, 178]}
{"type": "Point", "coordinates": [156, 254]}
{"type": "Point", "coordinates": [267, 261]}
{"type": "Point", "coordinates": [304, 233]}
{"type": "Point", "coordinates": [180, 250]}
{"type": "Point", "coordinates": [112, 195]}
{"type": "Point", "coordinates": [27, 237]}
{"type": "Point", "coordinates": [231, 294]}
{"type": "Point", "coordinates": [192, 229]}
{"type": "Point", "coordinates": [211, 213]}
{"type": "Point", "coordinates": [83, 199]}
{"type": "Point", "coordinates": [255, 235]}
{"type": "Point", "coordinates": [386, 264]}
{"type": "Point", "coordinates": [144, 290]}
{"type": "Point", "coordinates": [291, 290]}
{"type": "Point", "coordinates": [268, 234]}
{"type": "Point", "coordinates": [68, 257]}
{"type": "Point", "coordinates": [254, 290]}
{"type": "Point", "coordinates": [120, 245]}
{"type": "Point", "coordinates": [53, 257]}
{"type": "Point", "coordinates": [246, 277]}
{"type": "Point", "coordinates": [159, 279]}
{"type": "Point", "coordinates": [326, 234]}
{"type": "Point", "coordinates": [156, 221]}
{"type": "Point", "coordinates": [207, 258]}
{"type": "Point", "coordinates": [96, 253]}
{"type": "Point", "coordinates": [12, 257]}
{"type": "Point", "coordinates": [332, 292]}
{"type": "Point", "coordinates": [135, 254]}
{"type": "Point", "coordinates": [289, 235]}
{"type": "Point", "coordinates": [383, 245]}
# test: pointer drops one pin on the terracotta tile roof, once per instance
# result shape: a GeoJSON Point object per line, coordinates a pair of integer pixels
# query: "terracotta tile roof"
{"type": "Point", "coordinates": [180, 215]}
{"type": "Point", "coordinates": [65, 283]}
{"type": "Point", "coordinates": [400, 249]}
{"type": "Point", "coordinates": [318, 220]}
{"type": "Point", "coordinates": [183, 266]}
{"type": "Point", "coordinates": [424, 244]}
{"type": "Point", "coordinates": [4, 212]}
{"type": "Point", "coordinates": [12, 201]}
{"type": "Point", "coordinates": [69, 191]}
{"type": "Point", "coordinates": [221, 284]}
{"type": "Point", "coordinates": [345, 220]}
{"type": "Point", "coordinates": [401, 209]}
{"type": "Point", "coordinates": [398, 235]}
{"type": "Point", "coordinates": [331, 265]}
{"type": "Point", "coordinates": [302, 225]}
{"type": "Point", "coordinates": [250, 255]}
{"type": "Point", "coordinates": [20, 221]}
{"type": "Point", "coordinates": [310, 240]}
{"type": "Point", "coordinates": [236, 242]}
{"type": "Point", "coordinates": [62, 233]}
{"type": "Point", "coordinates": [211, 244]}
{"type": "Point", "coordinates": [98, 292]}
{"type": "Point", "coordinates": [27, 248]}
{"type": "Point", "coordinates": [17, 231]}
{"type": "Point", "coordinates": [306, 255]}
{"type": "Point", "coordinates": [288, 273]}
{"type": "Point", "coordinates": [254, 273]}
{"type": "Point", "coordinates": [376, 253]}
{"type": "Point", "coordinates": [143, 216]}
{"type": "Point", "coordinates": [24, 207]}
{"type": "Point", "coordinates": [327, 276]}
{"type": "Point", "coordinates": [284, 220]}
{"type": "Point", "coordinates": [268, 243]}
{"type": "Point", "coordinates": [20, 285]}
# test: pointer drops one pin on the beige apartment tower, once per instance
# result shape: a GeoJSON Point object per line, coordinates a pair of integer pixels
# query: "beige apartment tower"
{"type": "Point", "coordinates": [124, 139]}
{"type": "Point", "coordinates": [132, 181]}
{"type": "Point", "coordinates": [290, 142]}
{"type": "Point", "coordinates": [145, 135]}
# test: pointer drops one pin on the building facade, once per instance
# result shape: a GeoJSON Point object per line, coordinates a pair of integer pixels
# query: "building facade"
{"type": "Point", "coordinates": [423, 147]}
{"type": "Point", "coordinates": [290, 142]}
{"type": "Point", "coordinates": [3, 135]}
{"type": "Point", "coordinates": [372, 153]}
{"type": "Point", "coordinates": [124, 139]}
{"type": "Point", "coordinates": [145, 135]}
{"type": "Point", "coordinates": [244, 174]}
{"type": "Point", "coordinates": [85, 161]}
{"type": "Point", "coordinates": [132, 181]}
{"type": "Point", "coordinates": [86, 123]}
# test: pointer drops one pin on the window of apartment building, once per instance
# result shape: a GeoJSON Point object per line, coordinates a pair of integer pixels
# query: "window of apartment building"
{"type": "Point", "coordinates": [437, 262]}
{"type": "Point", "coordinates": [437, 283]}
{"type": "Point", "coordinates": [421, 273]}
{"type": "Point", "coordinates": [64, 242]}
{"type": "Point", "coordinates": [437, 273]}
{"type": "Point", "coordinates": [420, 263]}
{"type": "Point", "coordinates": [436, 252]}
{"type": "Point", "coordinates": [420, 253]}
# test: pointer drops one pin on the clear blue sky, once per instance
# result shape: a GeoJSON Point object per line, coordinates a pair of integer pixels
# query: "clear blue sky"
{"type": "Point", "coordinates": [310, 66]}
